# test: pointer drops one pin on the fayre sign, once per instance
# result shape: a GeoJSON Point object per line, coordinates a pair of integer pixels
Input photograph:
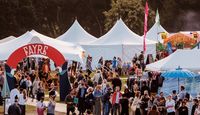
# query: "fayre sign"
{"type": "Point", "coordinates": [35, 49]}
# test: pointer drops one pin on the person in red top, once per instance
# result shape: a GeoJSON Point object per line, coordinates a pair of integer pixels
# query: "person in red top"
{"type": "Point", "coordinates": [117, 95]}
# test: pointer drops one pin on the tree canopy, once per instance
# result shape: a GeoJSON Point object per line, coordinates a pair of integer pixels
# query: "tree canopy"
{"type": "Point", "coordinates": [54, 17]}
{"type": "Point", "coordinates": [132, 13]}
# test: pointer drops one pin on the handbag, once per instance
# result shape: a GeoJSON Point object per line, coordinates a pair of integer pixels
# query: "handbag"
{"type": "Point", "coordinates": [76, 100]}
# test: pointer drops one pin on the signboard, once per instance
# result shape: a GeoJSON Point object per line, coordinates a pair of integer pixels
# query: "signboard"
{"type": "Point", "coordinates": [35, 49]}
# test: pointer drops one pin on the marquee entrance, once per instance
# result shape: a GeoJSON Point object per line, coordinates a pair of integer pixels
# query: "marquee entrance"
{"type": "Point", "coordinates": [40, 49]}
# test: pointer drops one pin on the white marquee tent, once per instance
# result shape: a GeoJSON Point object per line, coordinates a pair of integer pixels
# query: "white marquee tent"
{"type": "Point", "coordinates": [69, 50]}
{"type": "Point", "coordinates": [7, 39]}
{"type": "Point", "coordinates": [186, 59]}
{"type": "Point", "coordinates": [121, 42]}
{"type": "Point", "coordinates": [154, 33]}
{"type": "Point", "coordinates": [76, 34]}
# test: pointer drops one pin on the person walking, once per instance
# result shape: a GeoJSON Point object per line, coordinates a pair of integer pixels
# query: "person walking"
{"type": "Point", "coordinates": [170, 105]}
{"type": "Point", "coordinates": [195, 105]}
{"type": "Point", "coordinates": [182, 93]}
{"type": "Point", "coordinates": [97, 103]}
{"type": "Point", "coordinates": [135, 106]}
{"type": "Point", "coordinates": [144, 102]}
{"type": "Point", "coordinates": [22, 101]}
{"type": "Point", "coordinates": [35, 87]}
{"type": "Point", "coordinates": [52, 103]}
{"type": "Point", "coordinates": [69, 100]}
{"type": "Point", "coordinates": [89, 99]}
{"type": "Point", "coordinates": [13, 94]}
{"type": "Point", "coordinates": [41, 106]}
{"type": "Point", "coordinates": [183, 110]}
{"type": "Point", "coordinates": [14, 109]}
{"type": "Point", "coordinates": [117, 95]}
{"type": "Point", "coordinates": [106, 102]}
{"type": "Point", "coordinates": [197, 111]}
{"type": "Point", "coordinates": [81, 98]}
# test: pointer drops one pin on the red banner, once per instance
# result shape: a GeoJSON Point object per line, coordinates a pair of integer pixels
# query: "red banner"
{"type": "Point", "coordinates": [145, 25]}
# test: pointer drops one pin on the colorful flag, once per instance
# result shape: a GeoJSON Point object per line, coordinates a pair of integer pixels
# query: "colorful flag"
{"type": "Point", "coordinates": [157, 19]}
{"type": "Point", "coordinates": [145, 25]}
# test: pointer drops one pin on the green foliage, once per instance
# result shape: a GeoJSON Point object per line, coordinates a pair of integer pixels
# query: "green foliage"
{"type": "Point", "coordinates": [132, 13]}
{"type": "Point", "coordinates": [54, 17]}
{"type": "Point", "coordinates": [160, 47]}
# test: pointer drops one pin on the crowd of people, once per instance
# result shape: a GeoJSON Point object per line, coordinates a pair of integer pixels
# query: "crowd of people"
{"type": "Point", "coordinates": [31, 80]}
{"type": "Point", "coordinates": [99, 92]}
{"type": "Point", "coordinates": [104, 92]}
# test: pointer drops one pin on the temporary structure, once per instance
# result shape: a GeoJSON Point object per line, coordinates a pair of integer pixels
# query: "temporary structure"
{"type": "Point", "coordinates": [68, 50]}
{"type": "Point", "coordinates": [76, 34]}
{"type": "Point", "coordinates": [7, 39]}
{"type": "Point", "coordinates": [186, 59]}
{"type": "Point", "coordinates": [155, 33]}
{"type": "Point", "coordinates": [121, 42]}
{"type": "Point", "coordinates": [180, 38]}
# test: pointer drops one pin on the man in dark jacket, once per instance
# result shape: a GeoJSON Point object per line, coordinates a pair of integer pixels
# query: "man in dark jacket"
{"type": "Point", "coordinates": [195, 105]}
{"type": "Point", "coordinates": [81, 98]}
{"type": "Point", "coordinates": [14, 109]}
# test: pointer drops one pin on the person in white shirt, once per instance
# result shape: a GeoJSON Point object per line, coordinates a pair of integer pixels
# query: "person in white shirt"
{"type": "Point", "coordinates": [41, 106]}
{"type": "Point", "coordinates": [22, 101]}
{"type": "Point", "coordinates": [35, 87]}
{"type": "Point", "coordinates": [197, 110]}
{"type": "Point", "coordinates": [97, 77]}
{"type": "Point", "coordinates": [13, 93]}
{"type": "Point", "coordinates": [170, 105]}
{"type": "Point", "coordinates": [182, 93]}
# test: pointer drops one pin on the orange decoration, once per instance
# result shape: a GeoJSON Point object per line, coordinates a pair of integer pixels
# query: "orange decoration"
{"type": "Point", "coordinates": [179, 38]}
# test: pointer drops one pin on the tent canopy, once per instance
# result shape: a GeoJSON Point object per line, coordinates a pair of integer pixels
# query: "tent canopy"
{"type": "Point", "coordinates": [76, 34]}
{"type": "Point", "coordinates": [119, 41]}
{"type": "Point", "coordinates": [7, 39]}
{"type": "Point", "coordinates": [154, 33]}
{"type": "Point", "coordinates": [120, 34]}
{"type": "Point", "coordinates": [68, 50]}
{"type": "Point", "coordinates": [186, 59]}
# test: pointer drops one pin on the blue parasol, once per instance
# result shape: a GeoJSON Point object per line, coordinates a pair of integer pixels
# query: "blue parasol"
{"type": "Point", "coordinates": [178, 73]}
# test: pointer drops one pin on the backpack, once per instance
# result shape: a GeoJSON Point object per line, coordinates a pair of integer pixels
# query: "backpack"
{"type": "Point", "coordinates": [23, 85]}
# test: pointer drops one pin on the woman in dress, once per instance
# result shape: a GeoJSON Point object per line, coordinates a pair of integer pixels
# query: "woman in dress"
{"type": "Point", "coordinates": [135, 106]}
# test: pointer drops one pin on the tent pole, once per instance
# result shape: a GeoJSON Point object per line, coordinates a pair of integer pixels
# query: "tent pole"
{"type": "Point", "coordinates": [122, 53]}
{"type": "Point", "coordinates": [178, 84]}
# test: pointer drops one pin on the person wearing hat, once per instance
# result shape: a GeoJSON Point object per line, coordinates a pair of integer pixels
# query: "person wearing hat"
{"type": "Point", "coordinates": [14, 109]}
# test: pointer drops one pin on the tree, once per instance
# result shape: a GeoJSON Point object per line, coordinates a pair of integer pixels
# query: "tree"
{"type": "Point", "coordinates": [132, 13]}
